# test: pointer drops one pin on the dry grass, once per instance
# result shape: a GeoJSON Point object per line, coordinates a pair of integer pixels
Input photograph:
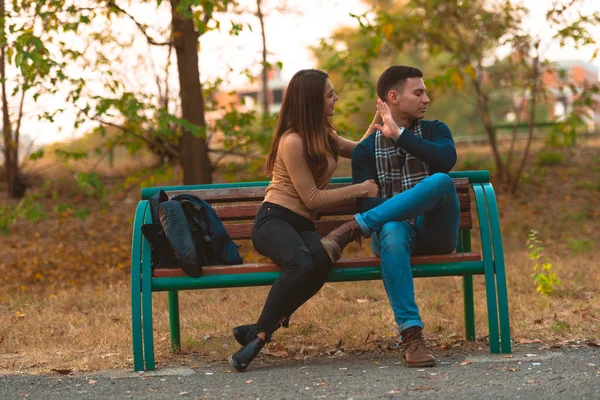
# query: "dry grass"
{"type": "Point", "coordinates": [65, 300]}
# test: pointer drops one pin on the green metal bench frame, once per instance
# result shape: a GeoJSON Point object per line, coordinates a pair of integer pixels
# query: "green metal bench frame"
{"type": "Point", "coordinates": [491, 266]}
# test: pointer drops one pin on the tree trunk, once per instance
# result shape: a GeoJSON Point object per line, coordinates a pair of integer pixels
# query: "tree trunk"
{"type": "Point", "coordinates": [264, 74]}
{"type": "Point", "coordinates": [11, 145]}
{"type": "Point", "coordinates": [531, 117]}
{"type": "Point", "coordinates": [196, 164]}
{"type": "Point", "coordinates": [513, 140]}
{"type": "Point", "coordinates": [484, 115]}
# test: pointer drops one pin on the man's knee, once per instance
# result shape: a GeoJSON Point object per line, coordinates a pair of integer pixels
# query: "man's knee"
{"type": "Point", "coordinates": [395, 237]}
{"type": "Point", "coordinates": [442, 181]}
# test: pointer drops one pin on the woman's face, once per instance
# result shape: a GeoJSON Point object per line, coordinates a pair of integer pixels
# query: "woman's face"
{"type": "Point", "coordinates": [330, 98]}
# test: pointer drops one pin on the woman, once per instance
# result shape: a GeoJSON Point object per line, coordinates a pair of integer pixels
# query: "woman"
{"type": "Point", "coordinates": [302, 160]}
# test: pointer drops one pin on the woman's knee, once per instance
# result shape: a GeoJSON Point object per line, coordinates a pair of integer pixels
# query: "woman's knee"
{"type": "Point", "coordinates": [299, 263]}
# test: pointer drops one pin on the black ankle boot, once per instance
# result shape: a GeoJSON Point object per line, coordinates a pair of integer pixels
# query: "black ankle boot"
{"type": "Point", "coordinates": [244, 333]}
{"type": "Point", "coordinates": [243, 357]}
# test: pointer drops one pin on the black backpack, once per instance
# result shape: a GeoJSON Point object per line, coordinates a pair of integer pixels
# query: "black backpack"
{"type": "Point", "coordinates": [187, 232]}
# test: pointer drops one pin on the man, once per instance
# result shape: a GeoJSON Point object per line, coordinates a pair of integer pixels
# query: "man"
{"type": "Point", "coordinates": [418, 208]}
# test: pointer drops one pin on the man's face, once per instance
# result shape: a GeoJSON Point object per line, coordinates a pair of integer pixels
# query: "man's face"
{"type": "Point", "coordinates": [330, 98]}
{"type": "Point", "coordinates": [411, 103]}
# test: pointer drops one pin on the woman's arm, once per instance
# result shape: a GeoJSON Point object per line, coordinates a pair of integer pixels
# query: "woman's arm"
{"type": "Point", "coordinates": [347, 146]}
{"type": "Point", "coordinates": [292, 152]}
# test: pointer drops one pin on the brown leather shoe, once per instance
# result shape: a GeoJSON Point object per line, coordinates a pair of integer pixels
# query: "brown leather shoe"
{"type": "Point", "coordinates": [414, 352]}
{"type": "Point", "coordinates": [340, 237]}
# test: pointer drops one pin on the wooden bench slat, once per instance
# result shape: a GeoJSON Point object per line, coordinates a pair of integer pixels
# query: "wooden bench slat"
{"type": "Point", "coordinates": [258, 193]}
{"type": "Point", "coordinates": [237, 212]}
{"type": "Point", "coordinates": [244, 230]}
{"type": "Point", "coordinates": [342, 263]}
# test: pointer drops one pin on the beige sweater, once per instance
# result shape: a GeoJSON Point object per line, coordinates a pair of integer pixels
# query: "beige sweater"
{"type": "Point", "coordinates": [293, 185]}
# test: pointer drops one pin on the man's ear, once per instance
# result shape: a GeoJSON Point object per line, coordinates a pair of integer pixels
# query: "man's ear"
{"type": "Point", "coordinates": [393, 97]}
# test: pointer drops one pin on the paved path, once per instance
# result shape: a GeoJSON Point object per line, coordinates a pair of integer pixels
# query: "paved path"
{"type": "Point", "coordinates": [569, 372]}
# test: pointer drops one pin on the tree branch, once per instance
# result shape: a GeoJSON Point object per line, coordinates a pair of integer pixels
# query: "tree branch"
{"type": "Point", "coordinates": [141, 26]}
{"type": "Point", "coordinates": [170, 149]}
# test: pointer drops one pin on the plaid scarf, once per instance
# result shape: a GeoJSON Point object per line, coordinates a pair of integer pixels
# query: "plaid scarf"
{"type": "Point", "coordinates": [395, 177]}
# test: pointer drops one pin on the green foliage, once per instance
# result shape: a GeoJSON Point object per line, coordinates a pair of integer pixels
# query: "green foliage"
{"type": "Point", "coordinates": [545, 279]}
{"type": "Point", "coordinates": [37, 155]}
{"type": "Point", "coordinates": [471, 162]}
{"type": "Point", "coordinates": [580, 246]}
{"type": "Point", "coordinates": [590, 185]}
{"type": "Point", "coordinates": [549, 158]}
{"type": "Point", "coordinates": [67, 155]}
{"type": "Point", "coordinates": [29, 207]}
{"type": "Point", "coordinates": [455, 43]}
{"type": "Point", "coordinates": [561, 327]}
{"type": "Point", "coordinates": [147, 177]}
{"type": "Point", "coordinates": [90, 184]}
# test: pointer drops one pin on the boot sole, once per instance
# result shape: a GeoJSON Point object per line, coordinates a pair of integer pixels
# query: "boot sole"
{"type": "Point", "coordinates": [238, 369]}
{"type": "Point", "coordinates": [424, 364]}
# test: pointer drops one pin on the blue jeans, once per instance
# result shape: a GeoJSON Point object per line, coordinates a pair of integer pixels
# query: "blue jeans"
{"type": "Point", "coordinates": [434, 202]}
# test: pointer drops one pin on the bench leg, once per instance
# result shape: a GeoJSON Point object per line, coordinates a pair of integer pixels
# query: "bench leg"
{"type": "Point", "coordinates": [469, 306]}
{"type": "Point", "coordinates": [136, 304]}
{"type": "Point", "coordinates": [488, 262]}
{"type": "Point", "coordinates": [147, 301]}
{"type": "Point", "coordinates": [499, 268]}
{"type": "Point", "coordinates": [174, 321]}
{"type": "Point", "coordinates": [468, 299]}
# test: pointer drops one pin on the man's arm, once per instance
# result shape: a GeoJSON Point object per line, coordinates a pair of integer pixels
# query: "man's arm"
{"type": "Point", "coordinates": [363, 168]}
{"type": "Point", "coordinates": [439, 152]}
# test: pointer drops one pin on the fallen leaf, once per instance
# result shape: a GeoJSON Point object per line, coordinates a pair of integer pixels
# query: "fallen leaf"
{"type": "Point", "coordinates": [249, 381]}
{"type": "Point", "coordinates": [92, 382]}
{"type": "Point", "coordinates": [591, 344]}
{"type": "Point", "coordinates": [510, 369]}
{"type": "Point", "coordinates": [466, 362]}
{"type": "Point", "coordinates": [62, 371]}
{"type": "Point", "coordinates": [19, 314]}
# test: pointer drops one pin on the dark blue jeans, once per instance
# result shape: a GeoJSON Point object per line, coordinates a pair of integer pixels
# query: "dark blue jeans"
{"type": "Point", "coordinates": [291, 242]}
{"type": "Point", "coordinates": [435, 204]}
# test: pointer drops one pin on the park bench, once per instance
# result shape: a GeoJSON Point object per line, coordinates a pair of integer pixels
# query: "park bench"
{"type": "Point", "coordinates": [237, 204]}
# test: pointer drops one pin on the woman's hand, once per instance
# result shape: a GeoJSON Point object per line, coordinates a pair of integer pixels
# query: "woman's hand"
{"type": "Point", "coordinates": [376, 121]}
{"type": "Point", "coordinates": [389, 129]}
{"type": "Point", "coordinates": [372, 188]}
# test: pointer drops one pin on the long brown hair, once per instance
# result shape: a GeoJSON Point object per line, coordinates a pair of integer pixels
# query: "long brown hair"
{"type": "Point", "coordinates": [303, 111]}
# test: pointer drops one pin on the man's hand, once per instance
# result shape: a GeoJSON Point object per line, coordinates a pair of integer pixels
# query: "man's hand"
{"type": "Point", "coordinates": [389, 129]}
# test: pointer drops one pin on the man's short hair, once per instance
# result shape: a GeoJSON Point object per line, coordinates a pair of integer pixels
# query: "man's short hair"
{"type": "Point", "coordinates": [394, 78]}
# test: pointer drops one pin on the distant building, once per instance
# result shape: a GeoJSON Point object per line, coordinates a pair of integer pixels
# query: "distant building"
{"type": "Point", "coordinates": [250, 97]}
{"type": "Point", "coordinates": [561, 98]}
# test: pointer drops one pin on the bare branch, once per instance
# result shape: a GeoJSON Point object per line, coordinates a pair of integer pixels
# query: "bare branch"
{"type": "Point", "coordinates": [141, 27]}
{"type": "Point", "coordinates": [169, 148]}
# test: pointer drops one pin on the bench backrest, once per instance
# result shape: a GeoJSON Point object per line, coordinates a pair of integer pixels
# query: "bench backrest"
{"type": "Point", "coordinates": [237, 207]}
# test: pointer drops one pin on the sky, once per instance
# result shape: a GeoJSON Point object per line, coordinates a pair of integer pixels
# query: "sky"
{"type": "Point", "coordinates": [288, 39]}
